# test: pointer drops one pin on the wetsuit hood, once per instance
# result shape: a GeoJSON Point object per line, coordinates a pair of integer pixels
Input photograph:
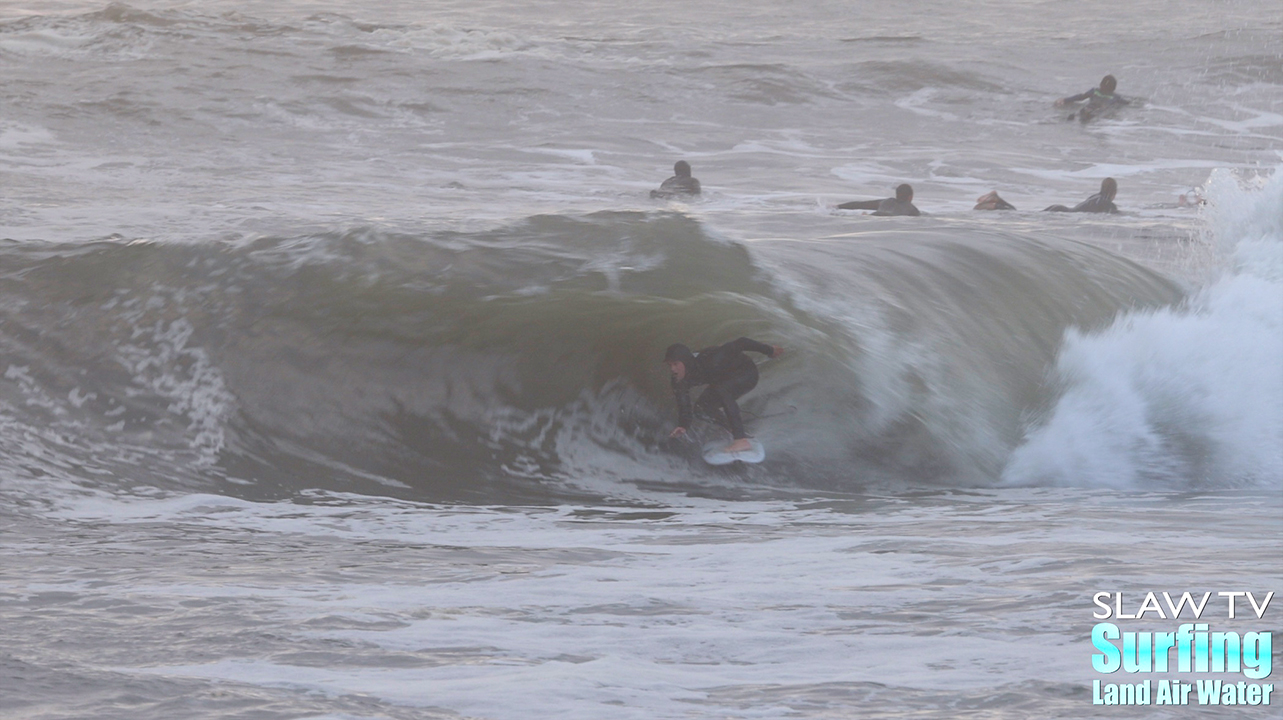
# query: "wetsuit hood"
{"type": "Point", "coordinates": [1109, 188]}
{"type": "Point", "coordinates": [678, 352]}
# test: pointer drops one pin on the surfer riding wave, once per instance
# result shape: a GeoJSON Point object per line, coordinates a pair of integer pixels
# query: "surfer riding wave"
{"type": "Point", "coordinates": [727, 372]}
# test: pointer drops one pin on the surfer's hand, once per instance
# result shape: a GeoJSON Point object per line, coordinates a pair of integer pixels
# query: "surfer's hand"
{"type": "Point", "coordinates": [1060, 102]}
{"type": "Point", "coordinates": [778, 351]}
{"type": "Point", "coordinates": [677, 432]}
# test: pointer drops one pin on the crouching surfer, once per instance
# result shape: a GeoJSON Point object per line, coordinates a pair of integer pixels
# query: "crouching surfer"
{"type": "Point", "coordinates": [727, 372]}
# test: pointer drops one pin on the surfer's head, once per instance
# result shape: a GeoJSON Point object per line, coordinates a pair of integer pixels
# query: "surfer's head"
{"type": "Point", "coordinates": [904, 193]}
{"type": "Point", "coordinates": [1108, 188]}
{"type": "Point", "coordinates": [678, 357]}
{"type": "Point", "coordinates": [1108, 84]}
{"type": "Point", "coordinates": [682, 169]}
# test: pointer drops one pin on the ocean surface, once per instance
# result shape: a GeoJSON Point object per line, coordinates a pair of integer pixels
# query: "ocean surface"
{"type": "Point", "coordinates": [330, 340]}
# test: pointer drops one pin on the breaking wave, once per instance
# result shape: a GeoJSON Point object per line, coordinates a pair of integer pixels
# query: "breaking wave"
{"type": "Point", "coordinates": [522, 363]}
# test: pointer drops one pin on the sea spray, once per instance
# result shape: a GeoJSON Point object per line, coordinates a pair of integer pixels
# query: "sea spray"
{"type": "Point", "coordinates": [1183, 397]}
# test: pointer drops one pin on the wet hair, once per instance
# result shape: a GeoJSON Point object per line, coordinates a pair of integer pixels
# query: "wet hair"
{"type": "Point", "coordinates": [678, 352]}
{"type": "Point", "coordinates": [1109, 188]}
{"type": "Point", "coordinates": [904, 193]}
{"type": "Point", "coordinates": [1108, 84]}
{"type": "Point", "coordinates": [682, 168]}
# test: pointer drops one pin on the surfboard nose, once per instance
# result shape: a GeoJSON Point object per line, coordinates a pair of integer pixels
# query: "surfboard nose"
{"type": "Point", "coordinates": [714, 454]}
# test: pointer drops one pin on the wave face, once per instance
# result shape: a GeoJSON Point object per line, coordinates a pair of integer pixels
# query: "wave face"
{"type": "Point", "coordinates": [1189, 396]}
{"type": "Point", "coordinates": [522, 363]}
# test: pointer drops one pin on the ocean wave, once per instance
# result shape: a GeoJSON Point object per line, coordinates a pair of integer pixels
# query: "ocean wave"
{"type": "Point", "coordinates": [1185, 397]}
{"type": "Point", "coordinates": [522, 362]}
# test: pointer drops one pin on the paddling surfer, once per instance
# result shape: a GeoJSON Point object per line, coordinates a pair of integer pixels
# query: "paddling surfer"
{"type": "Point", "coordinates": [680, 184]}
{"type": "Point", "coordinates": [1099, 100]}
{"type": "Point", "coordinates": [1101, 202]}
{"type": "Point", "coordinates": [901, 204]}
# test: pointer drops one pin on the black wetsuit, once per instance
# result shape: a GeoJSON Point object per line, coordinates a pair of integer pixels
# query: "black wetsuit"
{"type": "Point", "coordinates": [1097, 103]}
{"type": "Point", "coordinates": [728, 373]}
{"type": "Point", "coordinates": [888, 206]}
{"type": "Point", "coordinates": [1094, 204]}
{"type": "Point", "coordinates": [675, 186]}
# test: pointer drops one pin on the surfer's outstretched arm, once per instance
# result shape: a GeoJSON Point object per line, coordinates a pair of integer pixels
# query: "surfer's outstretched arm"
{"type": "Point", "coordinates": [860, 205]}
{"type": "Point", "coordinates": [1075, 98]}
{"type": "Point", "coordinates": [750, 345]}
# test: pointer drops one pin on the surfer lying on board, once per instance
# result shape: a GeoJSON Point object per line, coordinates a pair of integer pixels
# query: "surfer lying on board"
{"type": "Point", "coordinates": [727, 372]}
{"type": "Point", "coordinates": [1099, 99]}
{"type": "Point", "coordinates": [1101, 202]}
{"type": "Point", "coordinates": [901, 204]}
{"type": "Point", "coordinates": [681, 183]}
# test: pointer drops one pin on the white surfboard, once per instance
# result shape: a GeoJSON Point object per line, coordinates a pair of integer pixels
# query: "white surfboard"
{"type": "Point", "coordinates": [713, 454]}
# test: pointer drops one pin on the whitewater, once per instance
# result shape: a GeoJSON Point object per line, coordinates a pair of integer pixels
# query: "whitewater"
{"type": "Point", "coordinates": [330, 341]}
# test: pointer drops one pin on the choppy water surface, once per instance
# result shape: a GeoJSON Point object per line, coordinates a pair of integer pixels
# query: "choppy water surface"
{"type": "Point", "coordinates": [330, 333]}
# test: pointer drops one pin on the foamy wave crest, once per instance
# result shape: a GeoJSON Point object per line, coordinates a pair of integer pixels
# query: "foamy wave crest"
{"type": "Point", "coordinates": [1186, 397]}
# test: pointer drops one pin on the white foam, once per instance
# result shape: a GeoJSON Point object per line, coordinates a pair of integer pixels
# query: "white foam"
{"type": "Point", "coordinates": [576, 612]}
{"type": "Point", "coordinates": [1190, 396]}
{"type": "Point", "coordinates": [14, 136]}
{"type": "Point", "coordinates": [456, 43]}
{"type": "Point", "coordinates": [653, 614]}
{"type": "Point", "coordinates": [171, 367]}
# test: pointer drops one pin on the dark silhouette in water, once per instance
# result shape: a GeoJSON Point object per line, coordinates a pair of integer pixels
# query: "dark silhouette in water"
{"type": "Point", "coordinates": [727, 372]}
{"type": "Point", "coordinates": [681, 183]}
{"type": "Point", "coordinates": [1100, 100]}
{"type": "Point", "coordinates": [901, 204]}
{"type": "Point", "coordinates": [1101, 202]}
